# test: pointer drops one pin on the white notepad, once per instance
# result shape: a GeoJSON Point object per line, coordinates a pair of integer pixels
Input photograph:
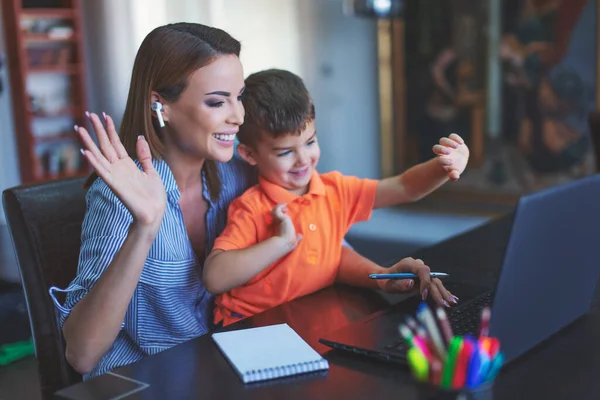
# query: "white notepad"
{"type": "Point", "coordinates": [268, 352]}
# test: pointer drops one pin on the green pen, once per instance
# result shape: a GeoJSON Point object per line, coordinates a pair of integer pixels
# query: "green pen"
{"type": "Point", "coordinates": [454, 349]}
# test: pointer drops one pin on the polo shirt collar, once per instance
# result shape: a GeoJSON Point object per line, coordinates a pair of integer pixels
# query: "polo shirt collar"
{"type": "Point", "coordinates": [280, 195]}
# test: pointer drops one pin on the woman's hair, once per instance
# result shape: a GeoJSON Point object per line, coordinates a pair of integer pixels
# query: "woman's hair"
{"type": "Point", "coordinates": [166, 59]}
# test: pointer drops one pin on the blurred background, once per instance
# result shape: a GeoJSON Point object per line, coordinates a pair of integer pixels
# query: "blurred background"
{"type": "Point", "coordinates": [516, 78]}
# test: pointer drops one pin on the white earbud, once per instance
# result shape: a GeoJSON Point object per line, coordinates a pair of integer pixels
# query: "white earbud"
{"type": "Point", "coordinates": [157, 106]}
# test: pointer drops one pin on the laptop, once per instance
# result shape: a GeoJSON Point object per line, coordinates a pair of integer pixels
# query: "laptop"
{"type": "Point", "coordinates": [547, 280]}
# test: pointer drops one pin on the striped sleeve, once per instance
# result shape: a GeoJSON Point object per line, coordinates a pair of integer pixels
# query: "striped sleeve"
{"type": "Point", "coordinates": [104, 230]}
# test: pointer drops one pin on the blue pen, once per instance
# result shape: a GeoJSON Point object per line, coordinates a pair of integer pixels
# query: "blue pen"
{"type": "Point", "coordinates": [495, 367]}
{"type": "Point", "coordinates": [484, 366]}
{"type": "Point", "coordinates": [406, 275]}
{"type": "Point", "coordinates": [474, 367]}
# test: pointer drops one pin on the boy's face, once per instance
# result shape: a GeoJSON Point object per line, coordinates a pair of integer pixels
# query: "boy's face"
{"type": "Point", "coordinates": [287, 161]}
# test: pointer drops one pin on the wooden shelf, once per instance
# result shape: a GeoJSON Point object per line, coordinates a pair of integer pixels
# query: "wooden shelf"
{"type": "Point", "coordinates": [45, 38]}
{"type": "Point", "coordinates": [71, 69]}
{"type": "Point", "coordinates": [62, 13]}
{"type": "Point", "coordinates": [66, 112]}
{"type": "Point", "coordinates": [55, 138]}
{"type": "Point", "coordinates": [54, 49]}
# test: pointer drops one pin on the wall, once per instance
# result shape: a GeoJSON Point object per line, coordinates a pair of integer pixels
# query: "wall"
{"type": "Point", "coordinates": [333, 52]}
{"type": "Point", "coordinates": [339, 67]}
{"type": "Point", "coordinates": [9, 172]}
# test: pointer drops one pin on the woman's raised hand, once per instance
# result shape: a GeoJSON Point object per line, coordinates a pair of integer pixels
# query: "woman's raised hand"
{"type": "Point", "coordinates": [142, 191]}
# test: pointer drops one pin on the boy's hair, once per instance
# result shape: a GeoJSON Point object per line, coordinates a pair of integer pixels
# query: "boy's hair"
{"type": "Point", "coordinates": [277, 103]}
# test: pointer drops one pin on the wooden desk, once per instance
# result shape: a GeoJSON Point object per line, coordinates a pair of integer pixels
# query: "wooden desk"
{"type": "Point", "coordinates": [565, 367]}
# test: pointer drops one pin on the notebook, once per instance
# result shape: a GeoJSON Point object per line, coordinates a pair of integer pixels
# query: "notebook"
{"type": "Point", "coordinates": [268, 352]}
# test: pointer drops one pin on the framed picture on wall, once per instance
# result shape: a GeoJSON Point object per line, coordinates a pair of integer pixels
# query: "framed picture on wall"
{"type": "Point", "coordinates": [546, 83]}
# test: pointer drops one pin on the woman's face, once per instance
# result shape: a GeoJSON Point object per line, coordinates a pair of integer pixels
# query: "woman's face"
{"type": "Point", "coordinates": [205, 119]}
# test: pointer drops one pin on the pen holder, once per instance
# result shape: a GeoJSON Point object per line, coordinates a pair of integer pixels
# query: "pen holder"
{"type": "Point", "coordinates": [448, 366]}
{"type": "Point", "coordinates": [430, 392]}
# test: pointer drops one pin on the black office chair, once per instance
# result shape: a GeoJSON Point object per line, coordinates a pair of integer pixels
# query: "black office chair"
{"type": "Point", "coordinates": [594, 123]}
{"type": "Point", "coordinates": [44, 221]}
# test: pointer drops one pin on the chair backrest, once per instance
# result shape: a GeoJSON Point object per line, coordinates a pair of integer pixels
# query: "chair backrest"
{"type": "Point", "coordinates": [594, 122]}
{"type": "Point", "coordinates": [44, 221]}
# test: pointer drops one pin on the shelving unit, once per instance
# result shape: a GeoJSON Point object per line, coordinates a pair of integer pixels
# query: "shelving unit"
{"type": "Point", "coordinates": [46, 68]}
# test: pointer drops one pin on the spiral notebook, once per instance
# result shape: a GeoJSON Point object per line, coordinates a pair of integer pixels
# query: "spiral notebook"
{"type": "Point", "coordinates": [268, 352]}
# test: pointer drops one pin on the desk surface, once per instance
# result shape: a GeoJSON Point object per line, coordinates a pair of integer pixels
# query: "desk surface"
{"type": "Point", "coordinates": [567, 366]}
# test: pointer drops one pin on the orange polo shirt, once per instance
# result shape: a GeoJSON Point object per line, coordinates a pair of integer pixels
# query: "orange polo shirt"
{"type": "Point", "coordinates": [323, 216]}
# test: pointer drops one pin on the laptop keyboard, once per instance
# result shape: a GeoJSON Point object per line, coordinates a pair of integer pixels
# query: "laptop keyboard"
{"type": "Point", "coordinates": [464, 320]}
{"type": "Point", "coordinates": [467, 320]}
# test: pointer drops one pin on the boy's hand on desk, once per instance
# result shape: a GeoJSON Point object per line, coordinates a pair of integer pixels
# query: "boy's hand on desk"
{"type": "Point", "coordinates": [428, 286]}
{"type": "Point", "coordinates": [453, 155]}
{"type": "Point", "coordinates": [287, 231]}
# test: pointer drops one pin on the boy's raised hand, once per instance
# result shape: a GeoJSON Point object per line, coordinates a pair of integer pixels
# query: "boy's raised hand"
{"type": "Point", "coordinates": [453, 155]}
{"type": "Point", "coordinates": [287, 231]}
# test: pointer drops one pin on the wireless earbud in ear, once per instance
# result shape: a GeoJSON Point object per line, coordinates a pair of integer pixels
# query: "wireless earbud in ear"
{"type": "Point", "coordinates": [157, 107]}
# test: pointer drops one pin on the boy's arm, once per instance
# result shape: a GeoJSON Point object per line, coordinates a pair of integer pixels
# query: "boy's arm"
{"type": "Point", "coordinates": [422, 179]}
{"type": "Point", "coordinates": [355, 269]}
{"type": "Point", "coordinates": [225, 270]}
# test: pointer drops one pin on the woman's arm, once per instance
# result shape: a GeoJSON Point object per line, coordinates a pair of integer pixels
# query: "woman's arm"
{"type": "Point", "coordinates": [95, 321]}
{"type": "Point", "coordinates": [114, 245]}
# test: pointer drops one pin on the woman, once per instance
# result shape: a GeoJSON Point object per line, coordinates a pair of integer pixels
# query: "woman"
{"type": "Point", "coordinates": [151, 222]}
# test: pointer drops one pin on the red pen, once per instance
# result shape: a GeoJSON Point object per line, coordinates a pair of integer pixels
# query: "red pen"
{"type": "Point", "coordinates": [462, 364]}
{"type": "Point", "coordinates": [494, 347]}
{"type": "Point", "coordinates": [436, 372]}
{"type": "Point", "coordinates": [486, 314]}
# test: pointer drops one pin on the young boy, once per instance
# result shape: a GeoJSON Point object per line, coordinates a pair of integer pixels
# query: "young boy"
{"type": "Point", "coordinates": [283, 237]}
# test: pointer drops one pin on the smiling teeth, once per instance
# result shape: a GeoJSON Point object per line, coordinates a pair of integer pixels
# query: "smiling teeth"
{"type": "Point", "coordinates": [224, 137]}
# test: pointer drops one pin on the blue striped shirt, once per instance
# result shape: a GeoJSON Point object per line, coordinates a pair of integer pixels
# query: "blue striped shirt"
{"type": "Point", "coordinates": [170, 304]}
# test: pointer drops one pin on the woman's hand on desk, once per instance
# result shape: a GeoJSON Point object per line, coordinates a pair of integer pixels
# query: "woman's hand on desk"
{"type": "Point", "coordinates": [428, 286]}
{"type": "Point", "coordinates": [141, 191]}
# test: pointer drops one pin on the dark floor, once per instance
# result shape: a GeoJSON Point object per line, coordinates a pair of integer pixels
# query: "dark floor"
{"type": "Point", "coordinates": [18, 380]}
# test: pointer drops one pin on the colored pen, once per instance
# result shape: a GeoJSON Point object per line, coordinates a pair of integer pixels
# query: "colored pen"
{"type": "Point", "coordinates": [484, 366]}
{"type": "Point", "coordinates": [485, 322]}
{"type": "Point", "coordinates": [494, 347]}
{"type": "Point", "coordinates": [454, 349]}
{"type": "Point", "coordinates": [406, 275]}
{"type": "Point", "coordinates": [414, 341]}
{"type": "Point", "coordinates": [495, 366]}
{"type": "Point", "coordinates": [444, 325]}
{"type": "Point", "coordinates": [435, 372]}
{"type": "Point", "coordinates": [411, 323]}
{"type": "Point", "coordinates": [425, 316]}
{"type": "Point", "coordinates": [462, 364]}
{"type": "Point", "coordinates": [473, 378]}
{"type": "Point", "coordinates": [418, 364]}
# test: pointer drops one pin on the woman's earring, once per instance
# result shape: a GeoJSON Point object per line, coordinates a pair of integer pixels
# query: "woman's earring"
{"type": "Point", "coordinates": [157, 106]}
